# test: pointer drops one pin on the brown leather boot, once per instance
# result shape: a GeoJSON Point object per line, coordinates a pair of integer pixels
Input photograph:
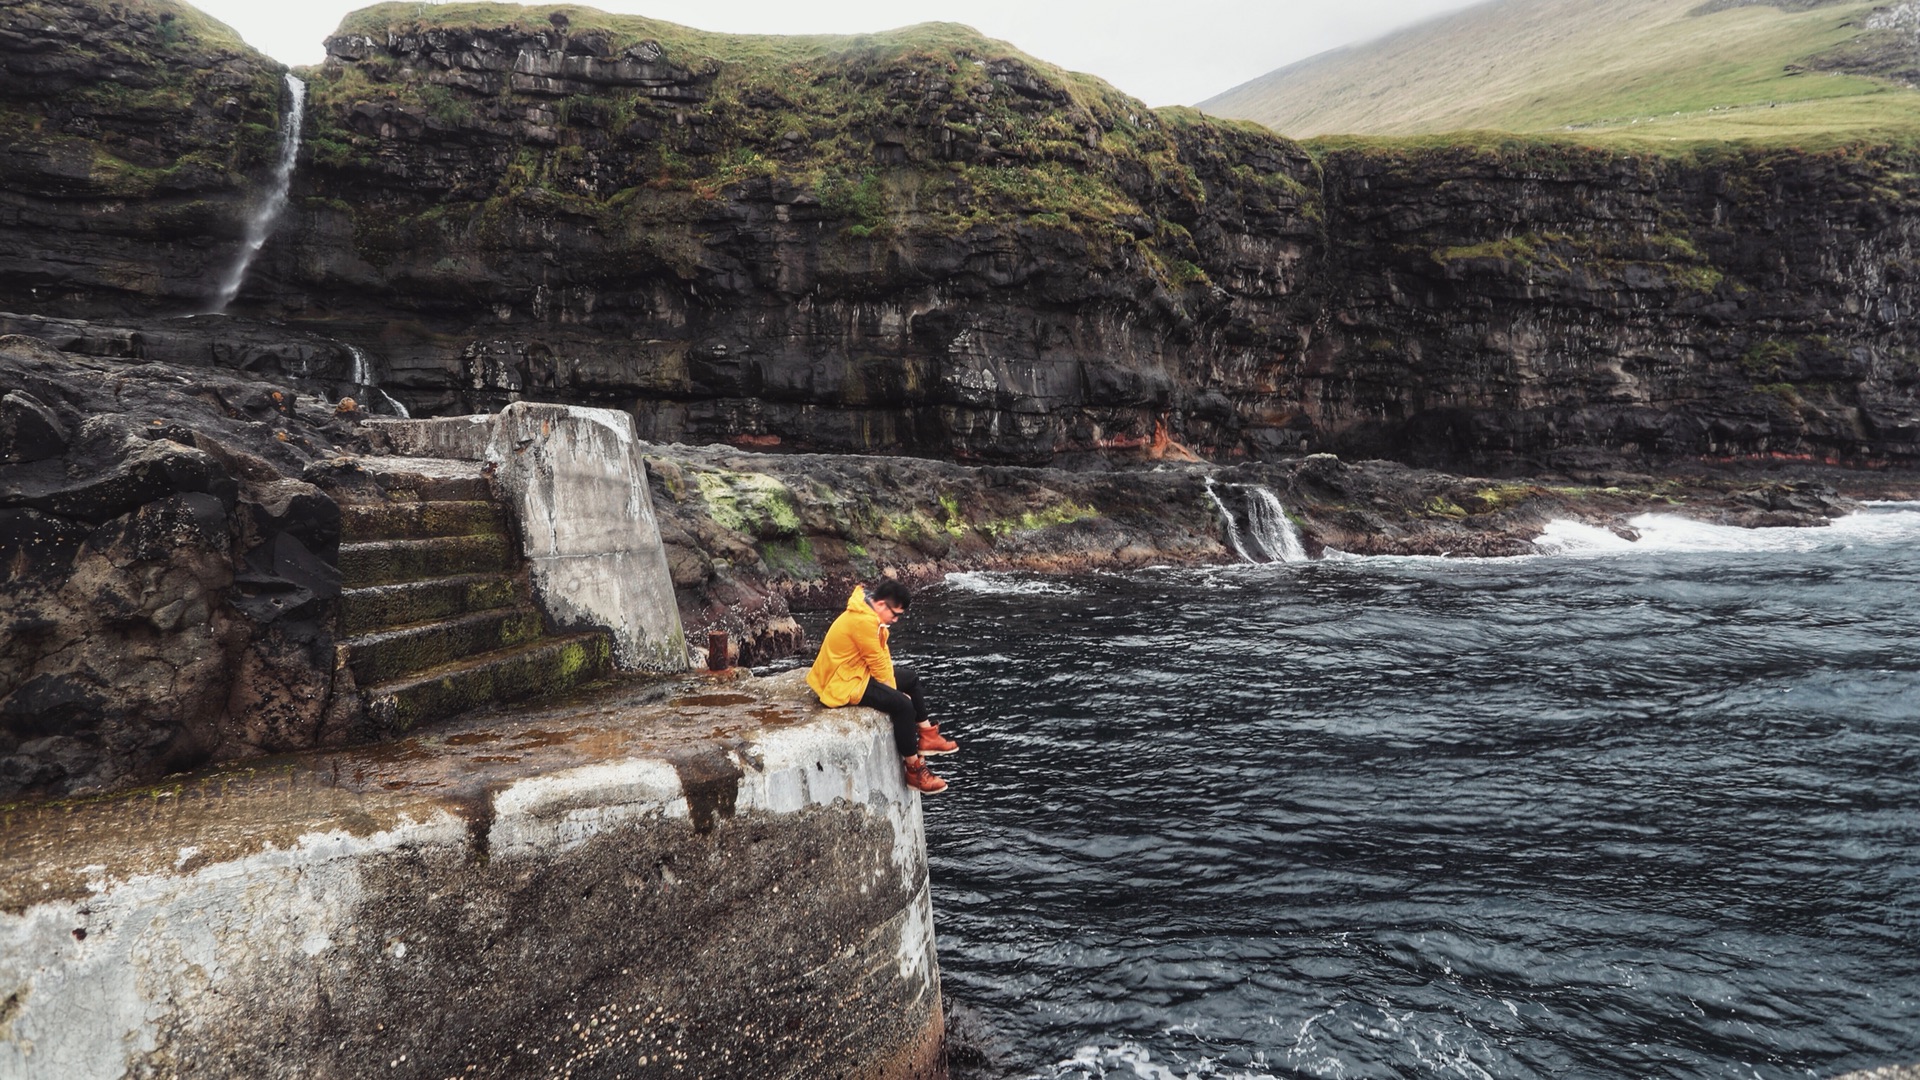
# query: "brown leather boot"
{"type": "Point", "coordinates": [932, 743]}
{"type": "Point", "coordinates": [921, 779]}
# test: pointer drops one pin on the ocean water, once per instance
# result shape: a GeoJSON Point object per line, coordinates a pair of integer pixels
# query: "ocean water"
{"type": "Point", "coordinates": [1642, 809]}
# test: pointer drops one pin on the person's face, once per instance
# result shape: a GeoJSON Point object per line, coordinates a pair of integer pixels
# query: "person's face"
{"type": "Point", "coordinates": [887, 612]}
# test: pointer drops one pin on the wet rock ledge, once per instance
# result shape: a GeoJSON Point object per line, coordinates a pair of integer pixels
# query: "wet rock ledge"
{"type": "Point", "coordinates": [699, 876]}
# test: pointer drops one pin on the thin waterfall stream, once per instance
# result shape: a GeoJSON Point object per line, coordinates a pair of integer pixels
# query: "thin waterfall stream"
{"type": "Point", "coordinates": [260, 225]}
{"type": "Point", "coordinates": [363, 377]}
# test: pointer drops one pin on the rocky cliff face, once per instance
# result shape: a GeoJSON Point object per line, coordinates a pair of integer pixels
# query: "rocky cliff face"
{"type": "Point", "coordinates": [169, 532]}
{"type": "Point", "coordinates": [923, 242]}
{"type": "Point", "coordinates": [916, 242]}
{"type": "Point", "coordinates": [135, 133]}
{"type": "Point", "coordinates": [1544, 305]}
{"type": "Point", "coordinates": [168, 573]}
{"type": "Point", "coordinates": [926, 242]}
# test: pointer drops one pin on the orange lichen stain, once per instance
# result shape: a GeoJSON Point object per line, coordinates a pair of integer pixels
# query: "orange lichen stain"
{"type": "Point", "coordinates": [471, 737]}
{"type": "Point", "coordinates": [774, 716]}
{"type": "Point", "coordinates": [533, 737]}
{"type": "Point", "coordinates": [712, 701]}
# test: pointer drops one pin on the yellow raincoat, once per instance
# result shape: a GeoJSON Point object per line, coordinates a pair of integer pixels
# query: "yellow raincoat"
{"type": "Point", "coordinates": [854, 650]}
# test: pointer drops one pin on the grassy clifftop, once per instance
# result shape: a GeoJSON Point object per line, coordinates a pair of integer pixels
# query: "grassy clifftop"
{"type": "Point", "coordinates": [1634, 72]}
{"type": "Point", "coordinates": [934, 128]}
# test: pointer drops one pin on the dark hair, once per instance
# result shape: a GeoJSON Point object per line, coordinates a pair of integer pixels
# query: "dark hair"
{"type": "Point", "coordinates": [893, 592]}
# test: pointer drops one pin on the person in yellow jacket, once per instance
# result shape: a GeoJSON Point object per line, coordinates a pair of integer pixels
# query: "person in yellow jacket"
{"type": "Point", "coordinates": [855, 667]}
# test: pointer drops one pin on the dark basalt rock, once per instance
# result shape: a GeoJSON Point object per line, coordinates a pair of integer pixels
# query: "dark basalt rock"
{"type": "Point", "coordinates": [29, 431]}
{"type": "Point", "coordinates": [168, 575]}
{"type": "Point", "coordinates": [171, 569]}
{"type": "Point", "coordinates": [754, 538]}
{"type": "Point", "coordinates": [926, 243]}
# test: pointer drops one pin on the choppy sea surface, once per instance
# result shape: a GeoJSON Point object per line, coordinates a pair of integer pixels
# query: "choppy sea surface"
{"type": "Point", "coordinates": [1640, 809]}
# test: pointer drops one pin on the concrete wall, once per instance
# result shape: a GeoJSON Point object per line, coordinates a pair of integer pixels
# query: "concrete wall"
{"type": "Point", "coordinates": [729, 882]}
{"type": "Point", "coordinates": [578, 486]}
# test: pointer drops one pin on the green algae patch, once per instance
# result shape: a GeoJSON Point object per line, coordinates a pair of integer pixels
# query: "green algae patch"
{"type": "Point", "coordinates": [1527, 249]}
{"type": "Point", "coordinates": [795, 558]}
{"type": "Point", "coordinates": [1048, 517]}
{"type": "Point", "coordinates": [1662, 492]}
{"type": "Point", "coordinates": [951, 519]}
{"type": "Point", "coordinates": [1497, 497]}
{"type": "Point", "coordinates": [749, 503]}
{"type": "Point", "coordinates": [1673, 258]}
{"type": "Point", "coordinates": [1766, 358]}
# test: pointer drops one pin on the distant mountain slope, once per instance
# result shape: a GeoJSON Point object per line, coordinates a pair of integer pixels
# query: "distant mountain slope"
{"type": "Point", "coordinates": [1656, 68]}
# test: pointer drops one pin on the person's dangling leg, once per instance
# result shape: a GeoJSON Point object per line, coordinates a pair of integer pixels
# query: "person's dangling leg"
{"type": "Point", "coordinates": [931, 741]}
{"type": "Point", "coordinates": [899, 709]}
{"type": "Point", "coordinates": [906, 733]}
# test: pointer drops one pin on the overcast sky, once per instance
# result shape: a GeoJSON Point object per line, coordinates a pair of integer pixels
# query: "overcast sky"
{"type": "Point", "coordinates": [1167, 52]}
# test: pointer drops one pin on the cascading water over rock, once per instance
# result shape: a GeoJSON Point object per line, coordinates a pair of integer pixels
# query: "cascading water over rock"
{"type": "Point", "coordinates": [260, 225]}
{"type": "Point", "coordinates": [363, 377]}
{"type": "Point", "coordinates": [1269, 536]}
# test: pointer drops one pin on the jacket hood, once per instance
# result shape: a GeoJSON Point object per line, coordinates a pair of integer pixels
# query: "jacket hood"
{"type": "Point", "coordinates": [857, 603]}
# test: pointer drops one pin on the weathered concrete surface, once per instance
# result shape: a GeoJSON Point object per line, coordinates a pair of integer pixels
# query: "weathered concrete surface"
{"type": "Point", "coordinates": [703, 877]}
{"type": "Point", "coordinates": [1890, 1072]}
{"type": "Point", "coordinates": [579, 491]}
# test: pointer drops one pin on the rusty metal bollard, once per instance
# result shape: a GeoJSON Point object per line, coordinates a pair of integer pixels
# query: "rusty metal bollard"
{"type": "Point", "coordinates": [716, 650]}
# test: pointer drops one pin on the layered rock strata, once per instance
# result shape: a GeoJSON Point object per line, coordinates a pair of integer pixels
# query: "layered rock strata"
{"type": "Point", "coordinates": [171, 538]}
{"type": "Point", "coordinates": [924, 241]}
{"type": "Point", "coordinates": [136, 135]}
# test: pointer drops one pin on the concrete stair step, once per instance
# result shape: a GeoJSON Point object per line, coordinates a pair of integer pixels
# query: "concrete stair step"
{"type": "Point", "coordinates": [388, 655]}
{"type": "Point", "coordinates": [367, 522]}
{"type": "Point", "coordinates": [407, 479]}
{"type": "Point", "coordinates": [389, 562]}
{"type": "Point", "coordinates": [387, 607]}
{"type": "Point", "coordinates": [545, 667]}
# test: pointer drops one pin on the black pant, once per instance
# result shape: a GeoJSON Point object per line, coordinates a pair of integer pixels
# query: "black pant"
{"type": "Point", "coordinates": [903, 706]}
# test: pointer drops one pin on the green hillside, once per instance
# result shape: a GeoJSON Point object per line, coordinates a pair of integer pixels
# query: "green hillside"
{"type": "Point", "coordinates": [1624, 70]}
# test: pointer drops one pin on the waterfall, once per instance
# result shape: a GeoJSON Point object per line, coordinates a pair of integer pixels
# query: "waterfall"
{"type": "Point", "coordinates": [363, 378]}
{"type": "Point", "coordinates": [1270, 535]}
{"type": "Point", "coordinates": [1226, 518]}
{"type": "Point", "coordinates": [1270, 529]}
{"type": "Point", "coordinates": [260, 225]}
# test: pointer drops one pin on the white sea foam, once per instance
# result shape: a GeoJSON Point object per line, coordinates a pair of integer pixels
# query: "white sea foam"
{"type": "Point", "coordinates": [993, 583]}
{"type": "Point", "coordinates": [1131, 1061]}
{"type": "Point", "coordinates": [1672, 533]}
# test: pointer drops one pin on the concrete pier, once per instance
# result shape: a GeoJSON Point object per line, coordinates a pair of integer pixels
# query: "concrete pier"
{"type": "Point", "coordinates": [698, 877]}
